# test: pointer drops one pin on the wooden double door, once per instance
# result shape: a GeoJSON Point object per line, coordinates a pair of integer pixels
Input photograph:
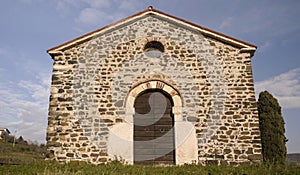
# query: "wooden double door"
{"type": "Point", "coordinates": [153, 129]}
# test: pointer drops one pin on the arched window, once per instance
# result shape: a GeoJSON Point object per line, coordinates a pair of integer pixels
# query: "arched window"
{"type": "Point", "coordinates": [154, 49]}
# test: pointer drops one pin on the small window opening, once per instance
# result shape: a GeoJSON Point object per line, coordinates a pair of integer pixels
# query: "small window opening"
{"type": "Point", "coordinates": [154, 49]}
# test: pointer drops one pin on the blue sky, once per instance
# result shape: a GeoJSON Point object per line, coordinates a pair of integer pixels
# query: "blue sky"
{"type": "Point", "coordinates": [30, 27]}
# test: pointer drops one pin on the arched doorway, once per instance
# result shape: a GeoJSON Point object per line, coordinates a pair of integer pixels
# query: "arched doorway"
{"type": "Point", "coordinates": [153, 128]}
{"type": "Point", "coordinates": [121, 140]}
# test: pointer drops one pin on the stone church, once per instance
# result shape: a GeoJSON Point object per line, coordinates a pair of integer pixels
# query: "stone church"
{"type": "Point", "coordinates": [153, 89]}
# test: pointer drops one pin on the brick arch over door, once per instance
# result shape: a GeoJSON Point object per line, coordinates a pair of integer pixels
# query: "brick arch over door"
{"type": "Point", "coordinates": [185, 137]}
{"type": "Point", "coordinates": [172, 92]}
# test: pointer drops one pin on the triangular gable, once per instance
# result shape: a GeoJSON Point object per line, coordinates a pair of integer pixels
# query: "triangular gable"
{"type": "Point", "coordinates": [150, 11]}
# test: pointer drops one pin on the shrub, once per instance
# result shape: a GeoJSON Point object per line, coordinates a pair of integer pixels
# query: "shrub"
{"type": "Point", "coordinates": [272, 129]}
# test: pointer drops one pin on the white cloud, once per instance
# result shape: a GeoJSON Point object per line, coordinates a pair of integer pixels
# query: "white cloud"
{"type": "Point", "coordinates": [99, 3]}
{"type": "Point", "coordinates": [265, 46]}
{"type": "Point", "coordinates": [128, 5]}
{"type": "Point", "coordinates": [25, 114]}
{"type": "Point", "coordinates": [38, 91]}
{"type": "Point", "coordinates": [92, 16]}
{"type": "Point", "coordinates": [226, 23]}
{"type": "Point", "coordinates": [100, 12]}
{"type": "Point", "coordinates": [285, 87]}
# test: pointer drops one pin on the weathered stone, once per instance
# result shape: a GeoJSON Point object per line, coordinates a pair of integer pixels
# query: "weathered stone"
{"type": "Point", "coordinates": [208, 79]}
{"type": "Point", "coordinates": [119, 103]}
{"type": "Point", "coordinates": [54, 144]}
{"type": "Point", "coordinates": [103, 160]}
{"type": "Point", "coordinates": [223, 128]}
{"type": "Point", "coordinates": [229, 132]}
{"type": "Point", "coordinates": [237, 117]}
{"type": "Point", "coordinates": [119, 120]}
{"type": "Point", "coordinates": [212, 162]}
{"type": "Point", "coordinates": [254, 125]}
{"type": "Point", "coordinates": [224, 162]}
{"type": "Point", "coordinates": [229, 113]}
{"type": "Point", "coordinates": [94, 154]}
{"type": "Point", "coordinates": [227, 151]}
{"type": "Point", "coordinates": [70, 154]}
{"type": "Point", "coordinates": [254, 157]}
{"type": "Point", "coordinates": [103, 154]}
{"type": "Point", "coordinates": [219, 156]}
{"type": "Point", "coordinates": [192, 119]}
{"type": "Point", "coordinates": [249, 151]}
{"type": "Point", "coordinates": [83, 138]}
{"type": "Point", "coordinates": [237, 152]}
{"type": "Point", "coordinates": [245, 137]}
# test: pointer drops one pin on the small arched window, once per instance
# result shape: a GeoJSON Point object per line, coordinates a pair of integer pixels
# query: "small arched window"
{"type": "Point", "coordinates": [154, 49]}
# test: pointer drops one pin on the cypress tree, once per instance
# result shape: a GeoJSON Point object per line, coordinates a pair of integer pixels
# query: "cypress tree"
{"type": "Point", "coordinates": [272, 129]}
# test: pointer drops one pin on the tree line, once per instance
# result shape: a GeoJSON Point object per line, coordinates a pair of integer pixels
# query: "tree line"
{"type": "Point", "coordinates": [24, 145]}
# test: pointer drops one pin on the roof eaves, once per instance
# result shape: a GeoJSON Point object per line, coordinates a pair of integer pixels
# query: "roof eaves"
{"type": "Point", "coordinates": [208, 32]}
{"type": "Point", "coordinates": [88, 36]}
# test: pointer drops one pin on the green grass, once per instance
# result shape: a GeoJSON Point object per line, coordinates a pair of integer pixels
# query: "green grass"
{"type": "Point", "coordinates": [19, 153]}
{"type": "Point", "coordinates": [115, 168]}
{"type": "Point", "coordinates": [28, 160]}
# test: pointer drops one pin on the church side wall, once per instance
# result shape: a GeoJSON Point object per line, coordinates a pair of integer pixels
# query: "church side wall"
{"type": "Point", "coordinates": [237, 140]}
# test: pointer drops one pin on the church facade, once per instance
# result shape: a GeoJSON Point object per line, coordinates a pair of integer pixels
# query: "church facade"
{"type": "Point", "coordinates": [153, 89]}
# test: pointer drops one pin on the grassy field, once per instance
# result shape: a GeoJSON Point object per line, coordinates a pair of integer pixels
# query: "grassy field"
{"type": "Point", "coordinates": [20, 153]}
{"type": "Point", "coordinates": [77, 168]}
{"type": "Point", "coordinates": [29, 160]}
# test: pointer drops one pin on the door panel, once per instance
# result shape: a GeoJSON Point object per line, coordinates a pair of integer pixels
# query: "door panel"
{"type": "Point", "coordinates": [153, 129]}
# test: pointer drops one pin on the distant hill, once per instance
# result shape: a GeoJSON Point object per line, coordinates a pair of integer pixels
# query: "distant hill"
{"type": "Point", "coordinates": [20, 153]}
{"type": "Point", "coordinates": [293, 158]}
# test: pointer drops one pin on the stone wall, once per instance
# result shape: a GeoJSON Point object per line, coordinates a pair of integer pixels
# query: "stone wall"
{"type": "Point", "coordinates": [91, 82]}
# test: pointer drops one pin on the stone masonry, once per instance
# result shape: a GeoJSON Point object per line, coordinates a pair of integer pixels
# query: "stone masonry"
{"type": "Point", "coordinates": [97, 77]}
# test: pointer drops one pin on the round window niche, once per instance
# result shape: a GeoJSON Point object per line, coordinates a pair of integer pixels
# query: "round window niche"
{"type": "Point", "coordinates": [154, 49]}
